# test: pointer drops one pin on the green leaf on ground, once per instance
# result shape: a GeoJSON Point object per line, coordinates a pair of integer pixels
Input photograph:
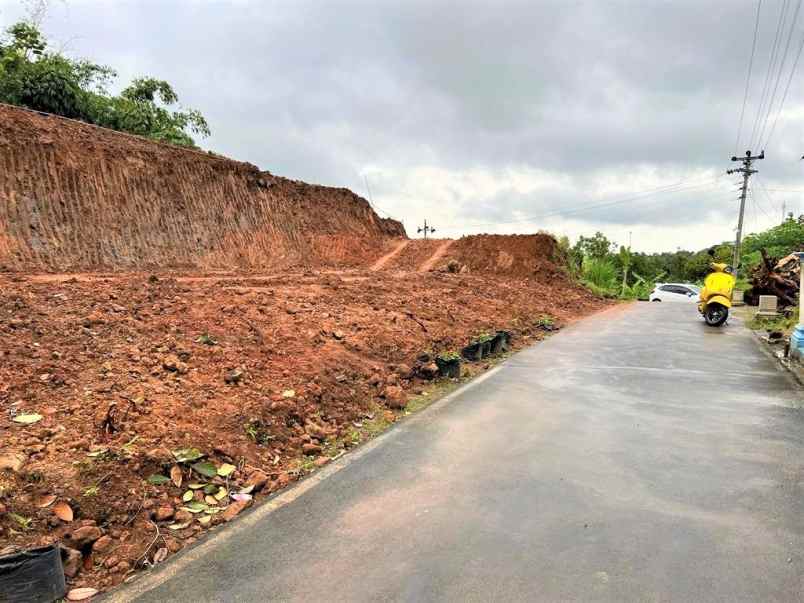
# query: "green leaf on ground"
{"type": "Point", "coordinates": [157, 480]}
{"type": "Point", "coordinates": [205, 468]}
{"type": "Point", "coordinates": [186, 455]}
{"type": "Point", "coordinates": [226, 469]}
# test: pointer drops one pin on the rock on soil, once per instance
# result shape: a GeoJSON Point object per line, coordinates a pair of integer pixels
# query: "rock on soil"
{"type": "Point", "coordinates": [395, 397]}
{"type": "Point", "coordinates": [83, 537]}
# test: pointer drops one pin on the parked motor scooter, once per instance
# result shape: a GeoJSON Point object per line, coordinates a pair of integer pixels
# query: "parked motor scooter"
{"type": "Point", "coordinates": [716, 295]}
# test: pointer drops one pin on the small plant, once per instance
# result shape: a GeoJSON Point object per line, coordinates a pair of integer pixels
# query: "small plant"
{"type": "Point", "coordinates": [92, 491]}
{"type": "Point", "coordinates": [450, 356]}
{"type": "Point", "coordinates": [483, 337]}
{"type": "Point", "coordinates": [206, 339]}
{"type": "Point", "coordinates": [257, 432]}
{"type": "Point", "coordinates": [24, 522]}
{"type": "Point", "coordinates": [545, 320]}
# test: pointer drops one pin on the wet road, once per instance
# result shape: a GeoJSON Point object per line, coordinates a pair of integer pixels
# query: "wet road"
{"type": "Point", "coordinates": [636, 456]}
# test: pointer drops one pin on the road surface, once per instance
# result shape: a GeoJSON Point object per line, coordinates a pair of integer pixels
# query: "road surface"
{"type": "Point", "coordinates": [636, 456]}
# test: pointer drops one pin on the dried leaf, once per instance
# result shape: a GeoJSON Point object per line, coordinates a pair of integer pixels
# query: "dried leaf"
{"type": "Point", "coordinates": [180, 526]}
{"type": "Point", "coordinates": [226, 469]}
{"type": "Point", "coordinates": [206, 469]}
{"type": "Point", "coordinates": [160, 555]}
{"type": "Point", "coordinates": [46, 501]}
{"type": "Point", "coordinates": [81, 594]}
{"type": "Point", "coordinates": [157, 480]}
{"type": "Point", "coordinates": [27, 418]}
{"type": "Point", "coordinates": [205, 519]}
{"type": "Point", "coordinates": [186, 455]}
{"type": "Point", "coordinates": [288, 393]}
{"type": "Point", "coordinates": [187, 496]}
{"type": "Point", "coordinates": [63, 511]}
{"type": "Point", "coordinates": [210, 500]}
{"type": "Point", "coordinates": [195, 486]}
{"type": "Point", "coordinates": [241, 497]}
{"type": "Point", "coordinates": [195, 507]}
{"type": "Point", "coordinates": [175, 475]}
{"type": "Point", "coordinates": [221, 493]}
{"type": "Point", "coordinates": [247, 489]}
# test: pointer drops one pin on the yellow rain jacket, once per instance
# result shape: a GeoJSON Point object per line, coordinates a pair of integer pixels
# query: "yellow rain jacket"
{"type": "Point", "coordinates": [718, 286]}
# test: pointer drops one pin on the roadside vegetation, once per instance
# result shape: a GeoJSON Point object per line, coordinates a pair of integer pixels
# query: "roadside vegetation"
{"type": "Point", "coordinates": [617, 272]}
{"type": "Point", "coordinates": [34, 76]}
{"type": "Point", "coordinates": [784, 323]}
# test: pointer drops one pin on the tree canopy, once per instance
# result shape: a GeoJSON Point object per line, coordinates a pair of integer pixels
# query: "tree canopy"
{"type": "Point", "coordinates": [33, 76]}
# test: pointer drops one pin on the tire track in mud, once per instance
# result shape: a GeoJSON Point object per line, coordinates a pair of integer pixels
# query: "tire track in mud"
{"type": "Point", "coordinates": [379, 264]}
{"type": "Point", "coordinates": [437, 255]}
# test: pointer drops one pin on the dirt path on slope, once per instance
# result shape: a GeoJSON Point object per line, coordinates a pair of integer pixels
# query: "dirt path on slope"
{"type": "Point", "coordinates": [437, 255]}
{"type": "Point", "coordinates": [379, 264]}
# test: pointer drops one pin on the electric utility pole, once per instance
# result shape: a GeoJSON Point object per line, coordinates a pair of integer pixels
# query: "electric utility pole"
{"type": "Point", "coordinates": [426, 229]}
{"type": "Point", "coordinates": [746, 171]}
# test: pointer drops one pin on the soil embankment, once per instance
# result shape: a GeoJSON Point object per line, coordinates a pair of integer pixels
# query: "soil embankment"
{"type": "Point", "coordinates": [76, 197]}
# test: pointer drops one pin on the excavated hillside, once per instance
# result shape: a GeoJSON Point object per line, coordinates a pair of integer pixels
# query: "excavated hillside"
{"type": "Point", "coordinates": [511, 256]}
{"type": "Point", "coordinates": [74, 197]}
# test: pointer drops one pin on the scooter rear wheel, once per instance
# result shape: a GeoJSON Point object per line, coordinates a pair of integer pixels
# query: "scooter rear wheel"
{"type": "Point", "coordinates": [716, 315]}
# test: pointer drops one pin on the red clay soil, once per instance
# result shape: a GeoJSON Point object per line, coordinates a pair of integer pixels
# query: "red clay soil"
{"type": "Point", "coordinates": [74, 197]}
{"type": "Point", "coordinates": [272, 375]}
{"type": "Point", "coordinates": [414, 255]}
{"type": "Point", "coordinates": [518, 256]}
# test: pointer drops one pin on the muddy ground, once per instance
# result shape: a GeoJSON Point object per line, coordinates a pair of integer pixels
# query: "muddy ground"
{"type": "Point", "coordinates": [111, 386]}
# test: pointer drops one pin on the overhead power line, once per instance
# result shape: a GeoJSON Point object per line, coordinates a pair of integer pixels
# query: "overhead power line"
{"type": "Point", "coordinates": [667, 189]}
{"type": "Point", "coordinates": [779, 72]}
{"type": "Point", "coordinates": [768, 73]}
{"type": "Point", "coordinates": [786, 90]}
{"type": "Point", "coordinates": [748, 77]}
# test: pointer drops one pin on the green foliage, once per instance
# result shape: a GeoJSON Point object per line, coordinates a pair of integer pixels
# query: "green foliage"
{"type": "Point", "coordinates": [483, 337]}
{"type": "Point", "coordinates": [778, 241]}
{"type": "Point", "coordinates": [597, 246]}
{"type": "Point", "coordinates": [782, 323]}
{"type": "Point", "coordinates": [545, 320]}
{"type": "Point", "coordinates": [32, 76]}
{"type": "Point", "coordinates": [449, 356]}
{"type": "Point", "coordinates": [600, 272]}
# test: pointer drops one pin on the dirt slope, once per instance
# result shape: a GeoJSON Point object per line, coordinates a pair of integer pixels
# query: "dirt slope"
{"type": "Point", "coordinates": [76, 197]}
{"type": "Point", "coordinates": [519, 256]}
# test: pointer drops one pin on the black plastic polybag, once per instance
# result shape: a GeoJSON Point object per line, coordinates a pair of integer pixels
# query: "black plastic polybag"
{"type": "Point", "coordinates": [34, 576]}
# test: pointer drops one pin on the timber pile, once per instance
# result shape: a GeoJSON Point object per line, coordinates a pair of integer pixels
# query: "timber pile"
{"type": "Point", "coordinates": [776, 277]}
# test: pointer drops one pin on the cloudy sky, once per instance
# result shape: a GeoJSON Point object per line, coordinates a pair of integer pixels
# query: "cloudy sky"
{"type": "Point", "coordinates": [488, 116]}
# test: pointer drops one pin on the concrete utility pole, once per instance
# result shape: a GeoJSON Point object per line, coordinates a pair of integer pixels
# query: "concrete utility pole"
{"type": "Point", "coordinates": [425, 229]}
{"type": "Point", "coordinates": [746, 171]}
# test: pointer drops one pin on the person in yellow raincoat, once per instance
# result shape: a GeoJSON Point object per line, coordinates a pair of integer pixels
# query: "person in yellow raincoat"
{"type": "Point", "coordinates": [716, 294]}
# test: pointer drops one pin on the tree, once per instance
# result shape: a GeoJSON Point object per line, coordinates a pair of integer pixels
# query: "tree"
{"type": "Point", "coordinates": [34, 77]}
{"type": "Point", "coordinates": [597, 246]}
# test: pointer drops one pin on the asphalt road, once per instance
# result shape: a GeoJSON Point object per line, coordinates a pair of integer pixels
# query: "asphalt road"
{"type": "Point", "coordinates": [636, 456]}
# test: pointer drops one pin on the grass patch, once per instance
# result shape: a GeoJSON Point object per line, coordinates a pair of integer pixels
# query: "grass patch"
{"type": "Point", "coordinates": [785, 324]}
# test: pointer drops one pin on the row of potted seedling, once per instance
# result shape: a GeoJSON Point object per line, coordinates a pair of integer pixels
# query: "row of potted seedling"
{"type": "Point", "coordinates": [486, 344]}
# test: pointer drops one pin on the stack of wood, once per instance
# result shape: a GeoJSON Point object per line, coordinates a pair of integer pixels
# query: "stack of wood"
{"type": "Point", "coordinates": [776, 277]}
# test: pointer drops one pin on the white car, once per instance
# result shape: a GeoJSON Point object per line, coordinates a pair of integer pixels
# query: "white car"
{"type": "Point", "coordinates": [674, 292]}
